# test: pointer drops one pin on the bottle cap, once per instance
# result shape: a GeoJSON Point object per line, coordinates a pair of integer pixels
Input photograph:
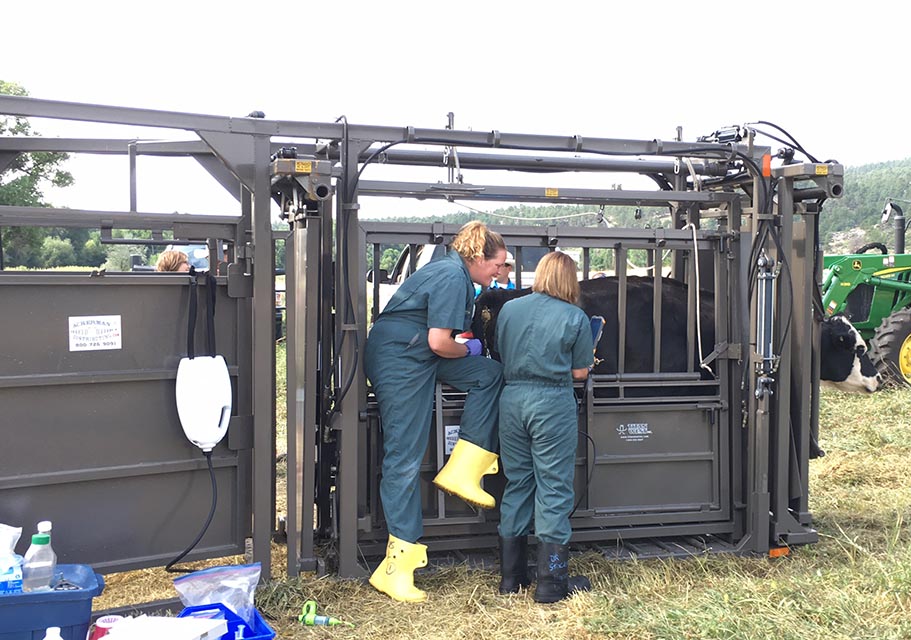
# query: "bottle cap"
{"type": "Point", "coordinates": [41, 538]}
{"type": "Point", "coordinates": [44, 526]}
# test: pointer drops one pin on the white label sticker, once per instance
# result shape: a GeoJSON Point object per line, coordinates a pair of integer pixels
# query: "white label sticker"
{"type": "Point", "coordinates": [452, 436]}
{"type": "Point", "coordinates": [95, 333]}
{"type": "Point", "coordinates": [634, 431]}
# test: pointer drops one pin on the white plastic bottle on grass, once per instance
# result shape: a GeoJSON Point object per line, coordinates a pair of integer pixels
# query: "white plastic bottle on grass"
{"type": "Point", "coordinates": [39, 564]}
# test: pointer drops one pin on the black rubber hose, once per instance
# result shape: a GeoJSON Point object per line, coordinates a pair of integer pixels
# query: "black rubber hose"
{"type": "Point", "coordinates": [170, 565]}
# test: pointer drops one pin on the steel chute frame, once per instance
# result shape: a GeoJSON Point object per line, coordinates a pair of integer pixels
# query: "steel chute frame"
{"type": "Point", "coordinates": [318, 174]}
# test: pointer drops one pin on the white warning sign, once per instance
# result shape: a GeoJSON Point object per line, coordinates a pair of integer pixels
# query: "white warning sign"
{"type": "Point", "coordinates": [95, 333]}
{"type": "Point", "coordinates": [451, 434]}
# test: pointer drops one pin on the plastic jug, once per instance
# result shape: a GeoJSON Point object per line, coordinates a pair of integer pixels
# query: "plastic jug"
{"type": "Point", "coordinates": [39, 564]}
{"type": "Point", "coordinates": [53, 633]}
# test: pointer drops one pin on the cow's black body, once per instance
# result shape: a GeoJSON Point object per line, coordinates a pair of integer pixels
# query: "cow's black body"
{"type": "Point", "coordinates": [844, 363]}
{"type": "Point", "coordinates": [599, 296]}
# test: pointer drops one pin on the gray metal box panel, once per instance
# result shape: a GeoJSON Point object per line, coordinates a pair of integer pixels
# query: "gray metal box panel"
{"type": "Point", "coordinates": [667, 472]}
{"type": "Point", "coordinates": [650, 460]}
{"type": "Point", "coordinates": [93, 440]}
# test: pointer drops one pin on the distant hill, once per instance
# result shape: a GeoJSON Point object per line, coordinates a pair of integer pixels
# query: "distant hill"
{"type": "Point", "coordinates": [848, 222]}
{"type": "Point", "coordinates": [845, 223]}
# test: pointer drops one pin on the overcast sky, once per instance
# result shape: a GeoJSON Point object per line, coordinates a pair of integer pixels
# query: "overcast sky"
{"type": "Point", "coordinates": [832, 74]}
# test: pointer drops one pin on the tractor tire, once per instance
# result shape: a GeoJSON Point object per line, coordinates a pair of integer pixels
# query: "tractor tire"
{"type": "Point", "coordinates": [890, 348]}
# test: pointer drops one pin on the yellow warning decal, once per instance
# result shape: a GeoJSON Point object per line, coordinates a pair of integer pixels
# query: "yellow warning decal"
{"type": "Point", "coordinates": [551, 193]}
{"type": "Point", "coordinates": [822, 169]}
{"type": "Point", "coordinates": [303, 166]}
{"type": "Point", "coordinates": [856, 265]}
{"type": "Point", "coordinates": [886, 272]}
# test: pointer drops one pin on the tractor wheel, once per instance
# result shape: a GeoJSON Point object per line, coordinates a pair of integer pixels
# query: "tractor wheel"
{"type": "Point", "coordinates": [890, 347]}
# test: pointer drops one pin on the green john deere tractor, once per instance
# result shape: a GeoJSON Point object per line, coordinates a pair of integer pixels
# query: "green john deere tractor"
{"type": "Point", "coordinates": [874, 291]}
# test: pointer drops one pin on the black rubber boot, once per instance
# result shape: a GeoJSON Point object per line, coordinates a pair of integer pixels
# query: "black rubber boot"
{"type": "Point", "coordinates": [513, 564]}
{"type": "Point", "coordinates": [554, 583]}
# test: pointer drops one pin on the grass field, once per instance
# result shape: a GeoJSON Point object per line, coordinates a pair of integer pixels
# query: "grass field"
{"type": "Point", "coordinates": [855, 583]}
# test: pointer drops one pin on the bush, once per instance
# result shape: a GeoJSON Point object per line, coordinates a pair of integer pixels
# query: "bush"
{"type": "Point", "coordinates": [56, 252]}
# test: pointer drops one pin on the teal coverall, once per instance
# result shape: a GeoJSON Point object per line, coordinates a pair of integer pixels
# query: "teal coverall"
{"type": "Point", "coordinates": [540, 339]}
{"type": "Point", "coordinates": [403, 371]}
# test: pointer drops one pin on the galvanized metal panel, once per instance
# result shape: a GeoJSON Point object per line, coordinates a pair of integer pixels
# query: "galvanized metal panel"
{"type": "Point", "coordinates": [94, 442]}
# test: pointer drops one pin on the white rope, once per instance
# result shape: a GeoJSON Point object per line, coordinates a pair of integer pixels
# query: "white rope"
{"type": "Point", "coordinates": [702, 363]}
{"type": "Point", "coordinates": [697, 183]}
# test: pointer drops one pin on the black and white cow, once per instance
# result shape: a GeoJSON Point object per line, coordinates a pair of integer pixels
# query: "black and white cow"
{"type": "Point", "coordinates": [844, 363]}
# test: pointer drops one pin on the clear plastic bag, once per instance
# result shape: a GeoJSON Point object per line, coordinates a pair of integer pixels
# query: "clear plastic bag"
{"type": "Point", "coordinates": [10, 561]}
{"type": "Point", "coordinates": [232, 585]}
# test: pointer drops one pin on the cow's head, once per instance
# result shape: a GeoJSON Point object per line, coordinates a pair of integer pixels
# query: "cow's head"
{"type": "Point", "coordinates": [844, 363]}
{"type": "Point", "coordinates": [486, 309]}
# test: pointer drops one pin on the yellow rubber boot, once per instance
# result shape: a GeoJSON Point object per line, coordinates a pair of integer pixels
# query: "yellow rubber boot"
{"type": "Point", "coordinates": [395, 575]}
{"type": "Point", "coordinates": [461, 476]}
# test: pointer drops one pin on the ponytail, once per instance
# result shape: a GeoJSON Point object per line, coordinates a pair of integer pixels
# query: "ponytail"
{"type": "Point", "coordinates": [475, 241]}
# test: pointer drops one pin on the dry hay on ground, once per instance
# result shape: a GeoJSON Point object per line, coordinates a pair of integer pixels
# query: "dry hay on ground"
{"type": "Point", "coordinates": [856, 582]}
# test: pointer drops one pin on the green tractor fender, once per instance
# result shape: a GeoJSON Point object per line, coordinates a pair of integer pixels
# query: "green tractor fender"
{"type": "Point", "coordinates": [874, 291]}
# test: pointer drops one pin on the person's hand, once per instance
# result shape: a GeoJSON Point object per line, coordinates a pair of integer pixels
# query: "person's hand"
{"type": "Point", "coordinates": [474, 347]}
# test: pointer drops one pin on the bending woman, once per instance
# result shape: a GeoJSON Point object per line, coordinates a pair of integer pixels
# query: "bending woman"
{"type": "Point", "coordinates": [545, 342]}
{"type": "Point", "coordinates": [410, 348]}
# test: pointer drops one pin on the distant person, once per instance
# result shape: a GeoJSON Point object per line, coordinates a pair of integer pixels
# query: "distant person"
{"type": "Point", "coordinates": [504, 275]}
{"type": "Point", "coordinates": [173, 260]}
{"type": "Point", "coordinates": [545, 341]}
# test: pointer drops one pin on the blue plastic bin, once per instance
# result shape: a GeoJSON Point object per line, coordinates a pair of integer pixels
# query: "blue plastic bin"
{"type": "Point", "coordinates": [26, 616]}
{"type": "Point", "coordinates": [259, 631]}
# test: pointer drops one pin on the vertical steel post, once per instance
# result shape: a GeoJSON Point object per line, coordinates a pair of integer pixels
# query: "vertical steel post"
{"type": "Point", "coordinates": [303, 295]}
{"type": "Point", "coordinates": [263, 356]}
{"type": "Point", "coordinates": [350, 295]}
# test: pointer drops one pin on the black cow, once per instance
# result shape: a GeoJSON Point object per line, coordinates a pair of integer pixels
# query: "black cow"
{"type": "Point", "coordinates": [599, 297]}
{"type": "Point", "coordinates": [844, 363]}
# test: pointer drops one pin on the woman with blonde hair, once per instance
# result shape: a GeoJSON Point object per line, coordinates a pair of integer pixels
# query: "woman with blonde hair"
{"type": "Point", "coordinates": [410, 347]}
{"type": "Point", "coordinates": [545, 343]}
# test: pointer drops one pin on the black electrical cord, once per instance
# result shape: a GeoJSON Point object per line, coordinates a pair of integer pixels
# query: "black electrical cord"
{"type": "Point", "coordinates": [170, 566]}
{"type": "Point", "coordinates": [348, 311]}
{"type": "Point", "coordinates": [790, 138]}
{"type": "Point", "coordinates": [787, 269]}
{"type": "Point", "coordinates": [591, 472]}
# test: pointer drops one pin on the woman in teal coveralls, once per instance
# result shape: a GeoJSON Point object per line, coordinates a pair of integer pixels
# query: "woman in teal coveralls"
{"type": "Point", "coordinates": [545, 342]}
{"type": "Point", "coordinates": [409, 348]}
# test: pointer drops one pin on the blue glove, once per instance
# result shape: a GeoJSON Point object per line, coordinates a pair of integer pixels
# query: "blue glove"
{"type": "Point", "coordinates": [474, 347]}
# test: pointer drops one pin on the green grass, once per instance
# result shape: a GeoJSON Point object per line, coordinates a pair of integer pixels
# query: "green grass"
{"type": "Point", "coordinates": [855, 583]}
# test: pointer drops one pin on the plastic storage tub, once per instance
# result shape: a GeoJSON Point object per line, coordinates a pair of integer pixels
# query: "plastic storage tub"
{"type": "Point", "coordinates": [26, 616]}
{"type": "Point", "coordinates": [259, 631]}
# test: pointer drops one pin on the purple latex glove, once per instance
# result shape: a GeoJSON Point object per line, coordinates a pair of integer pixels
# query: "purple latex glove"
{"type": "Point", "coordinates": [474, 347]}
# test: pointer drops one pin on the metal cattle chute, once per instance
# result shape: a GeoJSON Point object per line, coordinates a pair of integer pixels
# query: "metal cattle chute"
{"type": "Point", "coordinates": [669, 472]}
{"type": "Point", "coordinates": [690, 466]}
